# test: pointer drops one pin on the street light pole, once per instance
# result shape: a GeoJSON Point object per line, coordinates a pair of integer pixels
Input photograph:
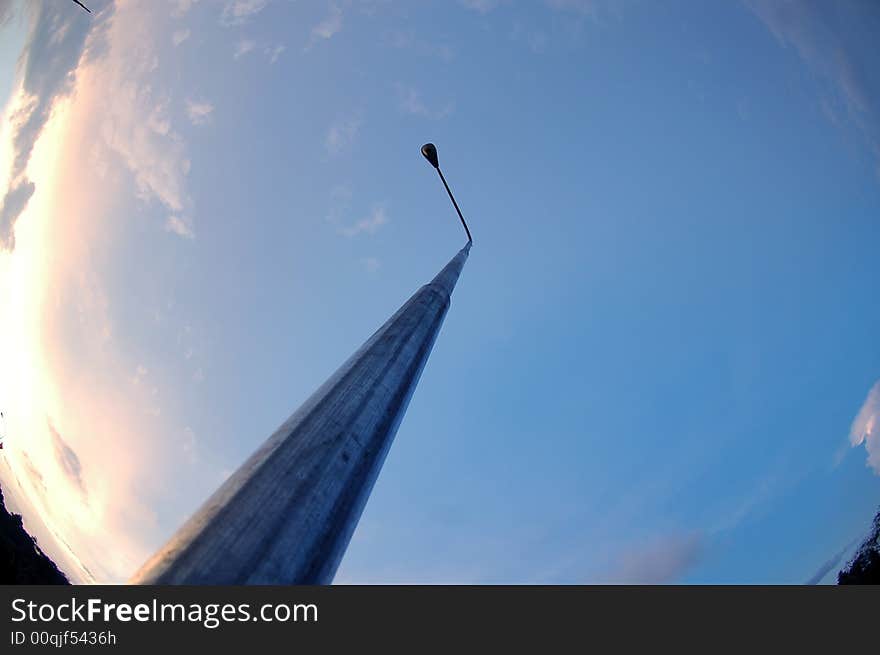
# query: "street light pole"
{"type": "Point", "coordinates": [429, 150]}
{"type": "Point", "coordinates": [287, 514]}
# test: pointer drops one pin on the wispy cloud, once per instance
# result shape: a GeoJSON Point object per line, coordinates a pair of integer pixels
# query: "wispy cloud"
{"type": "Point", "coordinates": [663, 561]}
{"type": "Point", "coordinates": [866, 428]}
{"type": "Point", "coordinates": [829, 565]}
{"type": "Point", "coordinates": [410, 101]}
{"type": "Point", "coordinates": [243, 47]}
{"type": "Point", "coordinates": [371, 264]}
{"type": "Point", "coordinates": [56, 43]}
{"type": "Point", "coordinates": [100, 158]}
{"type": "Point", "coordinates": [274, 52]}
{"type": "Point", "coordinates": [158, 121]}
{"type": "Point", "coordinates": [67, 459]}
{"type": "Point", "coordinates": [140, 373]}
{"type": "Point", "coordinates": [150, 149]}
{"type": "Point", "coordinates": [481, 6]}
{"type": "Point", "coordinates": [342, 134]}
{"type": "Point", "coordinates": [38, 482]}
{"type": "Point", "coordinates": [199, 111]}
{"type": "Point", "coordinates": [177, 225]}
{"type": "Point", "coordinates": [16, 200]}
{"type": "Point", "coordinates": [182, 7]}
{"type": "Point", "coordinates": [340, 201]}
{"type": "Point", "coordinates": [180, 36]}
{"type": "Point", "coordinates": [368, 225]}
{"type": "Point", "coordinates": [408, 40]}
{"type": "Point", "coordinates": [327, 28]}
{"type": "Point", "coordinates": [6, 11]}
{"type": "Point", "coordinates": [236, 12]}
{"type": "Point", "coordinates": [812, 28]}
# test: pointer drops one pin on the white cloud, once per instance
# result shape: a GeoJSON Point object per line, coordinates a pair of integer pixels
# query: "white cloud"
{"type": "Point", "coordinates": [153, 153]}
{"type": "Point", "coordinates": [180, 36]}
{"type": "Point", "coordinates": [237, 12]}
{"type": "Point", "coordinates": [199, 112]}
{"type": "Point", "coordinates": [369, 225]}
{"type": "Point", "coordinates": [274, 52]}
{"type": "Point", "coordinates": [243, 47]}
{"type": "Point", "coordinates": [410, 102]}
{"type": "Point", "coordinates": [371, 264]}
{"type": "Point", "coordinates": [179, 226]}
{"type": "Point", "coordinates": [342, 134]}
{"type": "Point", "coordinates": [328, 27]}
{"type": "Point", "coordinates": [129, 132]}
{"type": "Point", "coordinates": [182, 7]}
{"type": "Point", "coordinates": [158, 120]}
{"type": "Point", "coordinates": [135, 125]}
{"type": "Point", "coordinates": [866, 428]}
{"type": "Point", "coordinates": [409, 40]}
{"type": "Point", "coordinates": [139, 374]}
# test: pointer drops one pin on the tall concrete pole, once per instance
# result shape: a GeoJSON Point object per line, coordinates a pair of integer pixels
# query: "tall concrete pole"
{"type": "Point", "coordinates": [286, 516]}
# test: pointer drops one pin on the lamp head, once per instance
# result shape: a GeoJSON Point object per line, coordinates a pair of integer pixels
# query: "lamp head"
{"type": "Point", "coordinates": [429, 150]}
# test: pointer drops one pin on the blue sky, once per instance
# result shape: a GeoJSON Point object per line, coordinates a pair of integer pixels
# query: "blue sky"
{"type": "Point", "coordinates": [660, 360]}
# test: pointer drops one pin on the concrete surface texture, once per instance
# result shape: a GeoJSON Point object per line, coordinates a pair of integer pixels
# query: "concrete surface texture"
{"type": "Point", "coordinates": [287, 514]}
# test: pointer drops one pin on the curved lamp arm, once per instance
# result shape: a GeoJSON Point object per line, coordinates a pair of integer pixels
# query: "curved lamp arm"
{"type": "Point", "coordinates": [429, 150]}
